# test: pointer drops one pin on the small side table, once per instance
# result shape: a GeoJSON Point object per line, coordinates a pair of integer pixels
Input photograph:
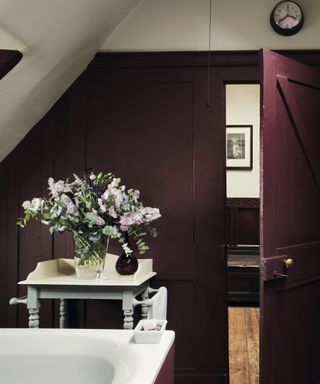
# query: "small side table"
{"type": "Point", "coordinates": [56, 279]}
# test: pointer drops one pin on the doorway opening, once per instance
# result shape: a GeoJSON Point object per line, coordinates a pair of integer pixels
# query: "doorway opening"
{"type": "Point", "coordinates": [243, 245]}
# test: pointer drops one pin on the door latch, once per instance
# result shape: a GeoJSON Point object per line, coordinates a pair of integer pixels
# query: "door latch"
{"type": "Point", "coordinates": [275, 267]}
{"type": "Point", "coordinates": [287, 264]}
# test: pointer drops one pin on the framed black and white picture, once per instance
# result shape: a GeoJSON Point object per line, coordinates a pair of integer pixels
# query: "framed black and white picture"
{"type": "Point", "coordinates": [239, 147]}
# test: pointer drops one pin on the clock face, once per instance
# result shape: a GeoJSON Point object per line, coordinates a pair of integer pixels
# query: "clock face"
{"type": "Point", "coordinates": [286, 18]}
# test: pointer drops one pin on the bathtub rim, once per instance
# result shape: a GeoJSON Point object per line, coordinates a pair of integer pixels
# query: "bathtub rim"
{"type": "Point", "coordinates": [149, 357]}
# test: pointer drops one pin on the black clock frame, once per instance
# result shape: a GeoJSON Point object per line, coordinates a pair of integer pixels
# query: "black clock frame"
{"type": "Point", "coordinates": [286, 31]}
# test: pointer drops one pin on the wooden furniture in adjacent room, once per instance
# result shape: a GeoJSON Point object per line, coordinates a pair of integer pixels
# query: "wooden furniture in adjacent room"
{"type": "Point", "coordinates": [243, 250]}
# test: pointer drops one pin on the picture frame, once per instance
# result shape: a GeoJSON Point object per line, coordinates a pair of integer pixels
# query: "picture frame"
{"type": "Point", "coordinates": [239, 147]}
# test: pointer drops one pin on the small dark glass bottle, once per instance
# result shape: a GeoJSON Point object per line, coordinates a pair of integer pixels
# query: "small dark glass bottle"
{"type": "Point", "coordinates": [126, 264]}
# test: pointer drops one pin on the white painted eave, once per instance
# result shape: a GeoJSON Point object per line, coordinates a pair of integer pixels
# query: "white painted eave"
{"type": "Point", "coordinates": [57, 39]}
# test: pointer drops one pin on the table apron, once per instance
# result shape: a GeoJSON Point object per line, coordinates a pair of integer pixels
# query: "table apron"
{"type": "Point", "coordinates": [89, 293]}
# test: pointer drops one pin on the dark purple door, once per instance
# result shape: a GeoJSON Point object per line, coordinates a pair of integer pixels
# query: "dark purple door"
{"type": "Point", "coordinates": [290, 222]}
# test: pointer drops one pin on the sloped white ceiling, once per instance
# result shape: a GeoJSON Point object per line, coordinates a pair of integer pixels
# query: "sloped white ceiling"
{"type": "Point", "coordinates": [58, 38]}
{"type": "Point", "coordinates": [174, 25]}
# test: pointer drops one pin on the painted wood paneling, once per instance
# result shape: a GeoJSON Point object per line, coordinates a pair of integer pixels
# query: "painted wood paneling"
{"type": "Point", "coordinates": [149, 123]}
{"type": "Point", "coordinates": [4, 248]}
{"type": "Point", "coordinates": [153, 128]}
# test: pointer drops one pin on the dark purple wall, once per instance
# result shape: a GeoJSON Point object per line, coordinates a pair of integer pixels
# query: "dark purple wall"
{"type": "Point", "coordinates": [145, 118]}
{"type": "Point", "coordinates": [8, 60]}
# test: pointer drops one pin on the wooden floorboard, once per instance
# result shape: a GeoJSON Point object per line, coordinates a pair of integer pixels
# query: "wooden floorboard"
{"type": "Point", "coordinates": [244, 345]}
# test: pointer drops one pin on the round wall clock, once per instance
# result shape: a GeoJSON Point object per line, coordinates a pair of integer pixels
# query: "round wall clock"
{"type": "Point", "coordinates": [287, 18]}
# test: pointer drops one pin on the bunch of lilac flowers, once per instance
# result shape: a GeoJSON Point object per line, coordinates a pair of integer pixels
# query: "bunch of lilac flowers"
{"type": "Point", "coordinates": [94, 209]}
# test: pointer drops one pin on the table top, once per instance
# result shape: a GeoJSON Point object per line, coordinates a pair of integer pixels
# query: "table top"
{"type": "Point", "coordinates": [61, 272]}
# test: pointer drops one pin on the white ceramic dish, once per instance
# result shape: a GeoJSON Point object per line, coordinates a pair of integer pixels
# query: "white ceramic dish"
{"type": "Point", "coordinates": [149, 337]}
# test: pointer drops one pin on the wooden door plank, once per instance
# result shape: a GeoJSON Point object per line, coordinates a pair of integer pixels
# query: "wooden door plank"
{"type": "Point", "coordinates": [289, 221]}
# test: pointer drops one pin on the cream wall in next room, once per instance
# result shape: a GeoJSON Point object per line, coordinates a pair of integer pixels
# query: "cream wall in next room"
{"type": "Point", "coordinates": [243, 108]}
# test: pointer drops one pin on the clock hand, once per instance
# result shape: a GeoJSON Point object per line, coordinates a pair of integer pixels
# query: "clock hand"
{"type": "Point", "coordinates": [284, 17]}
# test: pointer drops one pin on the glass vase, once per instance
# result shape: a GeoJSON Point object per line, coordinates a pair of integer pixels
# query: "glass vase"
{"type": "Point", "coordinates": [89, 259]}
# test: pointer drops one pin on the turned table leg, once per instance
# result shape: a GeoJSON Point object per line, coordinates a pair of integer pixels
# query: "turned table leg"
{"type": "Point", "coordinates": [33, 306]}
{"type": "Point", "coordinates": [127, 307]}
{"type": "Point", "coordinates": [33, 318]}
{"type": "Point", "coordinates": [63, 313]}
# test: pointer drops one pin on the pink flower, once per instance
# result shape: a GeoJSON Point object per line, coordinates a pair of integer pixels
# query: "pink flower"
{"type": "Point", "coordinates": [99, 220]}
{"type": "Point", "coordinates": [114, 194]}
{"type": "Point", "coordinates": [102, 207]}
{"type": "Point", "coordinates": [56, 188]}
{"type": "Point", "coordinates": [150, 214]}
{"type": "Point", "coordinates": [71, 208]}
{"type": "Point", "coordinates": [131, 218]}
{"type": "Point", "coordinates": [112, 212]}
{"type": "Point", "coordinates": [26, 204]}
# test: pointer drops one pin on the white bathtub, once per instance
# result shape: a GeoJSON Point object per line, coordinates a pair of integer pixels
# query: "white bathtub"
{"type": "Point", "coordinates": [74, 356]}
